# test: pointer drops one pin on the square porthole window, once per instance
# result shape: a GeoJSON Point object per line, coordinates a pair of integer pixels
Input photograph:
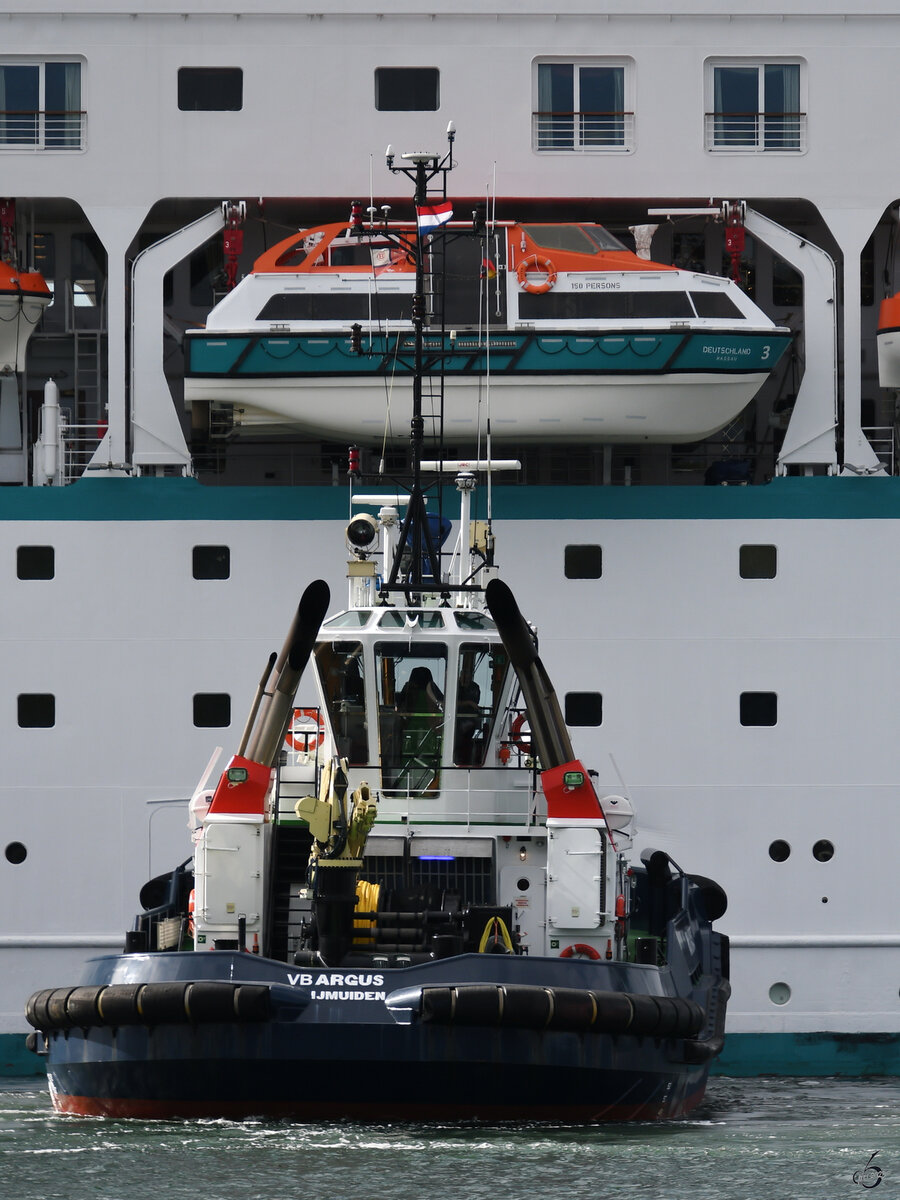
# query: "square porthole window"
{"type": "Point", "coordinates": [212, 562]}
{"type": "Point", "coordinates": [759, 708]}
{"type": "Point", "coordinates": [584, 708]}
{"type": "Point", "coordinates": [35, 562]}
{"type": "Point", "coordinates": [583, 562]}
{"type": "Point", "coordinates": [212, 710]}
{"type": "Point", "coordinates": [758, 562]}
{"type": "Point", "coordinates": [36, 710]}
{"type": "Point", "coordinates": [210, 89]}
{"type": "Point", "coordinates": [407, 89]}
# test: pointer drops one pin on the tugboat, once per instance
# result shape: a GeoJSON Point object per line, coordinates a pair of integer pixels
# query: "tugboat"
{"type": "Point", "coordinates": [416, 877]}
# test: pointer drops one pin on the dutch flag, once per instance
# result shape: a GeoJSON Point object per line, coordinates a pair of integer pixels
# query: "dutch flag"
{"type": "Point", "coordinates": [430, 216]}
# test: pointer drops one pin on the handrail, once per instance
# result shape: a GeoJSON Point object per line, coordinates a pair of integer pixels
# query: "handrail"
{"type": "Point", "coordinates": [583, 130]}
{"type": "Point", "coordinates": [755, 131]}
{"type": "Point", "coordinates": [42, 129]}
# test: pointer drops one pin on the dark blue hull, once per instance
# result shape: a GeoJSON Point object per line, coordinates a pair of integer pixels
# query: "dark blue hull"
{"type": "Point", "coordinates": [362, 1044]}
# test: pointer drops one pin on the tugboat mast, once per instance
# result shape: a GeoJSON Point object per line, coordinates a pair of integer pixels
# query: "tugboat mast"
{"type": "Point", "coordinates": [420, 167]}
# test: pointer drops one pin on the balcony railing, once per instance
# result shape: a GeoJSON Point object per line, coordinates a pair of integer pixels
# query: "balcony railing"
{"type": "Point", "coordinates": [756, 132]}
{"type": "Point", "coordinates": [44, 130]}
{"type": "Point", "coordinates": [611, 131]}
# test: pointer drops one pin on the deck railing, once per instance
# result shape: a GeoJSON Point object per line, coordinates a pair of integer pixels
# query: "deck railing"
{"type": "Point", "coordinates": [46, 129]}
{"type": "Point", "coordinates": [612, 131]}
{"type": "Point", "coordinates": [753, 131]}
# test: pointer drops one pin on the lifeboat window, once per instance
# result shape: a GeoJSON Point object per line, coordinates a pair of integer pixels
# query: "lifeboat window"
{"type": "Point", "coordinates": [35, 562]}
{"type": "Point", "coordinates": [212, 710]}
{"type": "Point", "coordinates": [479, 687]}
{"type": "Point", "coordinates": [16, 853]}
{"type": "Point", "coordinates": [759, 708]}
{"type": "Point", "coordinates": [716, 304]}
{"type": "Point", "coordinates": [407, 89]}
{"type": "Point", "coordinates": [584, 708]}
{"type": "Point", "coordinates": [411, 684]}
{"type": "Point", "coordinates": [661, 305]}
{"type": "Point", "coordinates": [583, 562]}
{"type": "Point", "coordinates": [758, 562]}
{"type": "Point", "coordinates": [36, 710]}
{"type": "Point", "coordinates": [337, 306]}
{"type": "Point", "coordinates": [577, 239]}
{"type": "Point", "coordinates": [341, 669]}
{"type": "Point", "coordinates": [211, 562]}
{"type": "Point", "coordinates": [394, 619]}
{"type": "Point", "coordinates": [365, 255]}
{"type": "Point", "coordinates": [604, 306]}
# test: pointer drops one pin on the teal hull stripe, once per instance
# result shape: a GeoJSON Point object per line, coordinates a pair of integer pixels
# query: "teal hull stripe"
{"type": "Point", "coordinates": [848, 1054]}
{"type": "Point", "coordinates": [150, 499]}
{"type": "Point", "coordinates": [313, 356]}
{"type": "Point", "coordinates": [745, 1055]}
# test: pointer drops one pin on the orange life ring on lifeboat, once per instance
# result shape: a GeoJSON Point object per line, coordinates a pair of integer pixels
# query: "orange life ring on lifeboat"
{"type": "Point", "coordinates": [520, 733]}
{"type": "Point", "coordinates": [533, 263]}
{"type": "Point", "coordinates": [304, 740]}
{"type": "Point", "coordinates": [580, 950]}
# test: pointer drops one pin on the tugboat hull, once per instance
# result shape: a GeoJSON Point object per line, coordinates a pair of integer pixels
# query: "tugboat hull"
{"type": "Point", "coordinates": [398, 1044]}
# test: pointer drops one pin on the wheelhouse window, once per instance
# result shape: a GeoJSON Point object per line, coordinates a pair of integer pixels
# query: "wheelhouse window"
{"type": "Point", "coordinates": [755, 105]}
{"type": "Point", "coordinates": [412, 684]}
{"type": "Point", "coordinates": [341, 673]}
{"type": "Point", "coordinates": [210, 89]}
{"type": "Point", "coordinates": [40, 105]}
{"type": "Point", "coordinates": [407, 89]}
{"type": "Point", "coordinates": [479, 685]}
{"type": "Point", "coordinates": [583, 105]}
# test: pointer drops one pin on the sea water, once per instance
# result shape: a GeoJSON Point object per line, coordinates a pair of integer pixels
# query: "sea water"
{"type": "Point", "coordinates": [752, 1139]}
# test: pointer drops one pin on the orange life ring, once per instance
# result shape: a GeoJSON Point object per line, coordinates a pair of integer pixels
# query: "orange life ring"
{"type": "Point", "coordinates": [191, 913]}
{"type": "Point", "coordinates": [580, 950]}
{"type": "Point", "coordinates": [533, 263]}
{"type": "Point", "coordinates": [522, 740]}
{"type": "Point", "coordinates": [305, 740]}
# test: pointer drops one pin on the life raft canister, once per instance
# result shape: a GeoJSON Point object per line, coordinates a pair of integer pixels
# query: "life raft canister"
{"type": "Point", "coordinates": [580, 950]}
{"type": "Point", "coordinates": [533, 263]}
{"type": "Point", "coordinates": [304, 740]}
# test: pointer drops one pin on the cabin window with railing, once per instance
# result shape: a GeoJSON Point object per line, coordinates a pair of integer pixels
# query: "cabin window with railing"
{"type": "Point", "coordinates": [583, 105]}
{"type": "Point", "coordinates": [40, 105]}
{"type": "Point", "coordinates": [755, 106]}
